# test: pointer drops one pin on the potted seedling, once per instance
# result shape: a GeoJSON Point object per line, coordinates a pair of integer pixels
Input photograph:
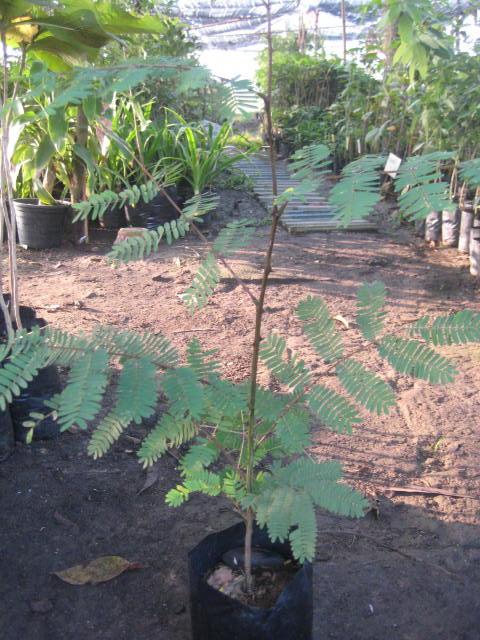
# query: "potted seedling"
{"type": "Point", "coordinates": [246, 442]}
{"type": "Point", "coordinates": [43, 167]}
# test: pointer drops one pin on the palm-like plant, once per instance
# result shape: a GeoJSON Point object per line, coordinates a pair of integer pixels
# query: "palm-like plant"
{"type": "Point", "coordinates": [202, 151]}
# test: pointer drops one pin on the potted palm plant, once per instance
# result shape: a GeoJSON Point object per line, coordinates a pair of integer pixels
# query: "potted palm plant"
{"type": "Point", "coordinates": [203, 154]}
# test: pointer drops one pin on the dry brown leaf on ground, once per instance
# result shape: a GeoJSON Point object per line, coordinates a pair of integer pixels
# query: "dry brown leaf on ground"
{"type": "Point", "coordinates": [99, 570]}
{"type": "Point", "coordinates": [151, 478]}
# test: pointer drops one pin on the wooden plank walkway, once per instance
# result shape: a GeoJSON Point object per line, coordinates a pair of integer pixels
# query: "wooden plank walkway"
{"type": "Point", "coordinates": [311, 214]}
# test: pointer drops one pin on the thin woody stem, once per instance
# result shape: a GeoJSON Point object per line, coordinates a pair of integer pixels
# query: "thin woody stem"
{"type": "Point", "coordinates": [6, 182]}
{"type": "Point", "coordinates": [267, 268]}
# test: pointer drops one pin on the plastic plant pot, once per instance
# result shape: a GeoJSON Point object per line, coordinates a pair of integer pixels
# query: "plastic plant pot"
{"type": "Point", "coordinates": [40, 226]}
{"type": "Point", "coordinates": [216, 616]}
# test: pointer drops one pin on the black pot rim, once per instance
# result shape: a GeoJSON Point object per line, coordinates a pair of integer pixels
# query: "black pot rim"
{"type": "Point", "coordinates": [306, 566]}
{"type": "Point", "coordinates": [34, 202]}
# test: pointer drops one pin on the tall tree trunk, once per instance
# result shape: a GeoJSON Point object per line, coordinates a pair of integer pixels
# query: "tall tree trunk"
{"type": "Point", "coordinates": [78, 186]}
{"type": "Point", "coordinates": [344, 30]}
{"type": "Point", "coordinates": [316, 39]}
{"type": "Point", "coordinates": [389, 35]}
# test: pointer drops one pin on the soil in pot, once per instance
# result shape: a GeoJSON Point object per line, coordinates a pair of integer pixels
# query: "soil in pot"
{"type": "Point", "coordinates": [287, 612]}
{"type": "Point", "coordinates": [40, 226]}
{"type": "Point", "coordinates": [269, 581]}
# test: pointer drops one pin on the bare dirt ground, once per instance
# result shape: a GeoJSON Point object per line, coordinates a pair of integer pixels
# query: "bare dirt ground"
{"type": "Point", "coordinates": [410, 570]}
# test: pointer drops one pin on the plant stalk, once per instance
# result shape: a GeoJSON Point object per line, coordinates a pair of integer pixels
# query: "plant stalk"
{"type": "Point", "coordinates": [79, 173]}
{"type": "Point", "coordinates": [267, 268]}
{"type": "Point", "coordinates": [8, 212]}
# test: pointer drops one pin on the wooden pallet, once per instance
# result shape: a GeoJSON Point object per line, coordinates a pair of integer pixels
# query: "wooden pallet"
{"type": "Point", "coordinates": [313, 213]}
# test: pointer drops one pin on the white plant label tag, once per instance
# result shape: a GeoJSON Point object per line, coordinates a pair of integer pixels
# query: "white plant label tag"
{"type": "Point", "coordinates": [392, 165]}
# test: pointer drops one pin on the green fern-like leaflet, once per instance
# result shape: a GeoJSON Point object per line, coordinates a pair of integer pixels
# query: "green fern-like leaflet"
{"type": "Point", "coordinates": [417, 359]}
{"type": "Point", "coordinates": [141, 246]}
{"type": "Point", "coordinates": [420, 185]}
{"type": "Point", "coordinates": [458, 328]}
{"type": "Point", "coordinates": [357, 193]}
{"type": "Point", "coordinates": [235, 236]}
{"type": "Point", "coordinates": [291, 372]}
{"type": "Point", "coordinates": [289, 494]}
{"type": "Point", "coordinates": [319, 327]}
{"type": "Point", "coordinates": [370, 309]}
{"type": "Point", "coordinates": [367, 388]}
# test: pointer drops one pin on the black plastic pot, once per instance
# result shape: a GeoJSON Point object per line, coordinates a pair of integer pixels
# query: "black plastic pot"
{"type": "Point", "coordinates": [40, 226]}
{"type": "Point", "coordinates": [216, 616]}
{"type": "Point", "coordinates": [44, 385]}
{"type": "Point", "coordinates": [113, 218]}
{"type": "Point", "coordinates": [6, 434]}
{"type": "Point", "coordinates": [156, 212]}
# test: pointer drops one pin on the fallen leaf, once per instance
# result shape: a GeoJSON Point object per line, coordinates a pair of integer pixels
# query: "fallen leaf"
{"type": "Point", "coordinates": [343, 320]}
{"type": "Point", "coordinates": [99, 570]}
{"type": "Point", "coordinates": [151, 478]}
